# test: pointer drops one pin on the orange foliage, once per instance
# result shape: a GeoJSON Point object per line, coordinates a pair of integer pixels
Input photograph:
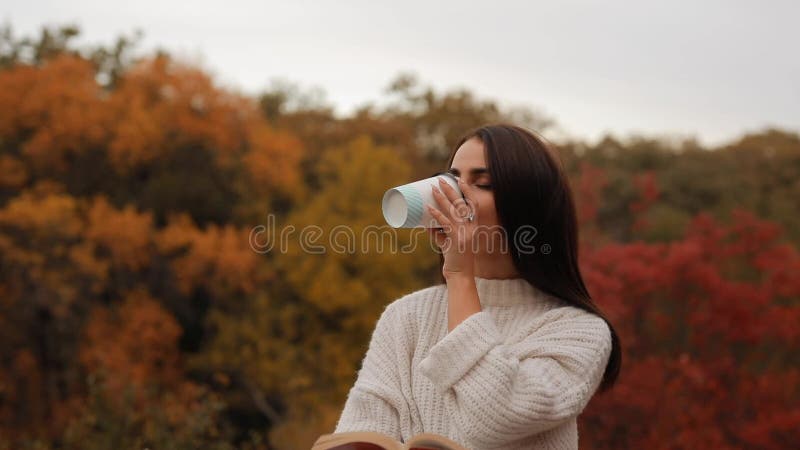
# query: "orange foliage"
{"type": "Point", "coordinates": [133, 343]}
{"type": "Point", "coordinates": [126, 234]}
{"type": "Point", "coordinates": [60, 106]}
{"type": "Point", "coordinates": [162, 104]}
{"type": "Point", "coordinates": [271, 154]}
{"type": "Point", "coordinates": [217, 258]}
{"type": "Point", "coordinates": [46, 215]}
{"type": "Point", "coordinates": [13, 173]}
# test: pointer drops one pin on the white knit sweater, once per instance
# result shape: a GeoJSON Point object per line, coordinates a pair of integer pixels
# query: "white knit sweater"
{"type": "Point", "coordinates": [513, 376]}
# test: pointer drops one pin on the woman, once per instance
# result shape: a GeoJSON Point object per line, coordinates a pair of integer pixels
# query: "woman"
{"type": "Point", "coordinates": [510, 348]}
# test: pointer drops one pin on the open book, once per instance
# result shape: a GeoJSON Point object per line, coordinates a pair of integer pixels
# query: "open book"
{"type": "Point", "coordinates": [370, 440]}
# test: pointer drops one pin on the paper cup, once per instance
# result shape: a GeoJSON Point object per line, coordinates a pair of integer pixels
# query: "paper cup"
{"type": "Point", "coordinates": [404, 206]}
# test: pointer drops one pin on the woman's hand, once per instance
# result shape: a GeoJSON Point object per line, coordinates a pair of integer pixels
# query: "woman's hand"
{"type": "Point", "coordinates": [455, 237]}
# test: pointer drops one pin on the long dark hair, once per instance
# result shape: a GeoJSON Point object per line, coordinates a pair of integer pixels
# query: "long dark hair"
{"type": "Point", "coordinates": [531, 190]}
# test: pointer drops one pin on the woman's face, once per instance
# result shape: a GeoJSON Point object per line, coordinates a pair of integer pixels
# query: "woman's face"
{"type": "Point", "coordinates": [469, 163]}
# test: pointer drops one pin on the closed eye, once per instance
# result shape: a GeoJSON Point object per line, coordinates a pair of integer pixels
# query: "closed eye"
{"type": "Point", "coordinates": [455, 174]}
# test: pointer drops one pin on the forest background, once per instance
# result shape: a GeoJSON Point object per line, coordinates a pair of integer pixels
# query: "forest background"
{"type": "Point", "coordinates": [135, 311]}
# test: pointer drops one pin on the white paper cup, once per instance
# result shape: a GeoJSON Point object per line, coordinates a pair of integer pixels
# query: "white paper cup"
{"type": "Point", "coordinates": [404, 206]}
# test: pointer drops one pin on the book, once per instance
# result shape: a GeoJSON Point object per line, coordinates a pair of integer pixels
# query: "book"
{"type": "Point", "coordinates": [370, 440]}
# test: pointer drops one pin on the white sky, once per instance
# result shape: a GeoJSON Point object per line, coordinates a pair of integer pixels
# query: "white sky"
{"type": "Point", "coordinates": [711, 69]}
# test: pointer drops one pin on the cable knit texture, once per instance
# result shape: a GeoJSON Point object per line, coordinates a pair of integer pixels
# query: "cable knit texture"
{"type": "Point", "coordinates": [513, 376]}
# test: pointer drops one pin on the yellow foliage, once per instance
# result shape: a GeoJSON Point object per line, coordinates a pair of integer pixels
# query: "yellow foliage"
{"type": "Point", "coordinates": [347, 210]}
{"type": "Point", "coordinates": [301, 429]}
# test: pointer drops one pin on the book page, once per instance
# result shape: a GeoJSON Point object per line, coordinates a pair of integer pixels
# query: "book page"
{"type": "Point", "coordinates": [329, 441]}
{"type": "Point", "coordinates": [435, 441]}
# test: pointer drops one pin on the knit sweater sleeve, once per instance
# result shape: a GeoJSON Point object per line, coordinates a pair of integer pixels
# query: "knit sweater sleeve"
{"type": "Point", "coordinates": [375, 401]}
{"type": "Point", "coordinates": [496, 393]}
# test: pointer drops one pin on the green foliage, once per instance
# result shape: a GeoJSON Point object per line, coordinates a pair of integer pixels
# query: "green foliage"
{"type": "Point", "coordinates": [125, 424]}
{"type": "Point", "coordinates": [110, 62]}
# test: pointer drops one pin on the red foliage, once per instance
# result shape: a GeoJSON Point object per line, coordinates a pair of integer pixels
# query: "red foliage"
{"type": "Point", "coordinates": [647, 188]}
{"type": "Point", "coordinates": [709, 327]}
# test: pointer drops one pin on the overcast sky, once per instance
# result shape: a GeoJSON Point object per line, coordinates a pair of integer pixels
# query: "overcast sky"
{"type": "Point", "coordinates": [710, 69]}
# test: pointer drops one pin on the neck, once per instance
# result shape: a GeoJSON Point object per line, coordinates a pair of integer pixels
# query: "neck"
{"type": "Point", "coordinates": [495, 265]}
{"type": "Point", "coordinates": [510, 291]}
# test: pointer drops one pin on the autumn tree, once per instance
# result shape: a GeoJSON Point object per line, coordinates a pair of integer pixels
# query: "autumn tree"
{"type": "Point", "coordinates": [142, 305]}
